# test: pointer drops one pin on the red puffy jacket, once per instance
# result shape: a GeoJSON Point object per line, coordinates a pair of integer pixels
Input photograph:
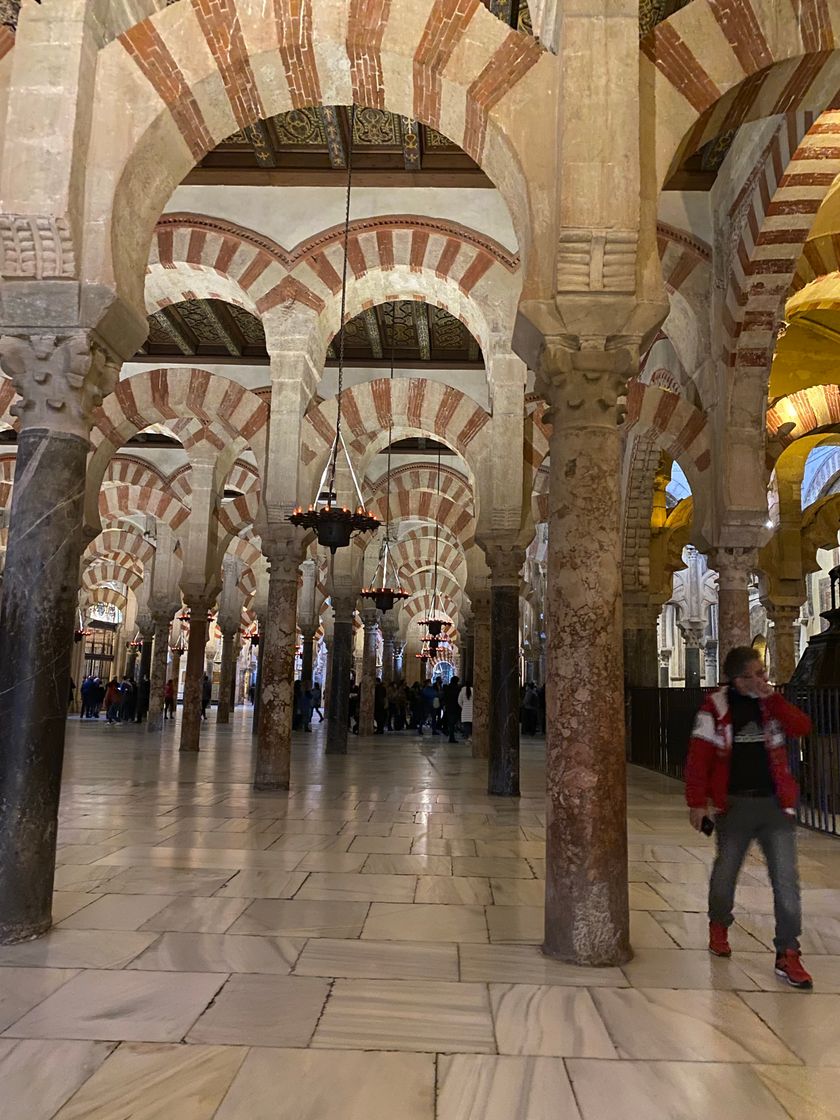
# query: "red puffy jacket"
{"type": "Point", "coordinates": [710, 749]}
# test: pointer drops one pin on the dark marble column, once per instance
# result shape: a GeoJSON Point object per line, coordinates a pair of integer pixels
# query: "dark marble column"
{"type": "Point", "coordinates": [785, 618]}
{"type": "Point", "coordinates": [370, 617]}
{"type": "Point", "coordinates": [229, 638]}
{"type": "Point", "coordinates": [399, 660]}
{"type": "Point", "coordinates": [307, 656]}
{"type": "Point", "coordinates": [277, 655]}
{"type": "Point", "coordinates": [175, 672]}
{"type": "Point", "coordinates": [586, 911]}
{"type": "Point", "coordinates": [157, 685]}
{"type": "Point", "coordinates": [481, 675]}
{"type": "Point", "coordinates": [467, 638]}
{"type": "Point", "coordinates": [255, 717]}
{"type": "Point", "coordinates": [194, 678]}
{"type": "Point", "coordinates": [145, 673]}
{"type": "Point", "coordinates": [341, 657]}
{"type": "Point", "coordinates": [36, 623]}
{"type": "Point", "coordinates": [503, 773]}
{"type": "Point", "coordinates": [641, 651]}
{"type": "Point", "coordinates": [131, 665]}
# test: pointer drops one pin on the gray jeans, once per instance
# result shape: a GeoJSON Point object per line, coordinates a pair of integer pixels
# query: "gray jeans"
{"type": "Point", "coordinates": [761, 819]}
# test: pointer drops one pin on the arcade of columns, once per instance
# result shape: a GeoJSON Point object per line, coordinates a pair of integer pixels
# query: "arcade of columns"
{"type": "Point", "coordinates": [629, 339]}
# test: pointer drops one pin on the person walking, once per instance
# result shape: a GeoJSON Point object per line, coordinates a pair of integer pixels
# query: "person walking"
{"type": "Point", "coordinates": [737, 775]}
{"type": "Point", "coordinates": [451, 707]}
{"type": "Point", "coordinates": [206, 692]}
{"type": "Point", "coordinates": [465, 700]}
{"type": "Point", "coordinates": [380, 706]}
{"type": "Point", "coordinates": [316, 701]}
{"type": "Point", "coordinates": [113, 701]}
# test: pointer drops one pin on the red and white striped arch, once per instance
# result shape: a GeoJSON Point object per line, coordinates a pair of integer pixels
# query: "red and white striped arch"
{"type": "Point", "coordinates": [193, 74]}
{"type": "Point", "coordinates": [115, 502]}
{"type": "Point", "coordinates": [121, 541]}
{"type": "Point", "coordinates": [108, 571]}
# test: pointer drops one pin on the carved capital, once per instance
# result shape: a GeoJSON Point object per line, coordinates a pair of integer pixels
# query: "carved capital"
{"type": "Point", "coordinates": [371, 617]}
{"type": "Point", "coordinates": [505, 563]}
{"type": "Point", "coordinates": [61, 378]}
{"type": "Point", "coordinates": [733, 566]}
{"type": "Point", "coordinates": [284, 550]}
{"type": "Point", "coordinates": [693, 633]}
{"type": "Point", "coordinates": [584, 379]}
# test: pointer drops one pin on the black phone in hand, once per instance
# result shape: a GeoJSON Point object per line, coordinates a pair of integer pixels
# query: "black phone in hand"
{"type": "Point", "coordinates": [707, 826]}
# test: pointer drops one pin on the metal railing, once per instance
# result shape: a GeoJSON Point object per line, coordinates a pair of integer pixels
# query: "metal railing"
{"type": "Point", "coordinates": [659, 727]}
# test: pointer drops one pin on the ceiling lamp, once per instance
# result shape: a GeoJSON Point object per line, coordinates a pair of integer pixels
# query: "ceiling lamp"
{"type": "Point", "coordinates": [334, 525]}
{"type": "Point", "coordinates": [433, 624]}
{"type": "Point", "coordinates": [382, 593]}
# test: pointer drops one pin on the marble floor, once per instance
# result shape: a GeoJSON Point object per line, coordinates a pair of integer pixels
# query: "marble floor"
{"type": "Point", "coordinates": [366, 948]}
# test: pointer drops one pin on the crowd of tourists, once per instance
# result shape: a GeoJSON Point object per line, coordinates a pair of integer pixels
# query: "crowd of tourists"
{"type": "Point", "coordinates": [121, 701]}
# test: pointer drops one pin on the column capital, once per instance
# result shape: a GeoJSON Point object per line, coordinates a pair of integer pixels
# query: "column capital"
{"type": "Point", "coordinates": [782, 614]}
{"type": "Point", "coordinates": [343, 607]}
{"type": "Point", "coordinates": [61, 377]}
{"type": "Point", "coordinates": [733, 565]}
{"type": "Point", "coordinates": [371, 617]}
{"type": "Point", "coordinates": [505, 562]}
{"type": "Point", "coordinates": [283, 549]}
{"type": "Point", "coordinates": [693, 632]}
{"type": "Point", "coordinates": [582, 385]}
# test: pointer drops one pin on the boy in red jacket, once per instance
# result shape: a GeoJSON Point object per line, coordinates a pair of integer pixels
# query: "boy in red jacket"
{"type": "Point", "coordinates": [737, 772]}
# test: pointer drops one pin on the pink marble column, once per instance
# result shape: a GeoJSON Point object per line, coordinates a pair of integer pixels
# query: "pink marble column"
{"type": "Point", "coordinates": [194, 678]}
{"type": "Point", "coordinates": [505, 564]}
{"type": "Point", "coordinates": [370, 618]}
{"type": "Point", "coordinates": [733, 566]}
{"type": "Point", "coordinates": [277, 653]}
{"type": "Point", "coordinates": [481, 675]}
{"type": "Point", "coordinates": [784, 619]}
{"type": "Point", "coordinates": [586, 904]}
{"type": "Point", "coordinates": [157, 681]}
{"type": "Point", "coordinates": [341, 657]}
{"type": "Point", "coordinates": [641, 652]}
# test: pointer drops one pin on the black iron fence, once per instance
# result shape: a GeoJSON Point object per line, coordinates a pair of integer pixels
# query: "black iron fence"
{"type": "Point", "coordinates": [659, 726]}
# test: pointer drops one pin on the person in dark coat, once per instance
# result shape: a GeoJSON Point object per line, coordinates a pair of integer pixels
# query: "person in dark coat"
{"type": "Point", "coordinates": [143, 694]}
{"type": "Point", "coordinates": [451, 707]}
{"type": "Point", "coordinates": [206, 692]}
{"type": "Point", "coordinates": [380, 706]}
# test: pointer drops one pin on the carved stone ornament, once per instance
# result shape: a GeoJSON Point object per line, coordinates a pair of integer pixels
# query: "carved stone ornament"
{"type": "Point", "coordinates": [585, 386]}
{"type": "Point", "coordinates": [284, 550]}
{"type": "Point", "coordinates": [37, 247]}
{"type": "Point", "coordinates": [733, 565]}
{"type": "Point", "coordinates": [61, 379]}
{"type": "Point", "coordinates": [505, 563]}
{"type": "Point", "coordinates": [597, 260]}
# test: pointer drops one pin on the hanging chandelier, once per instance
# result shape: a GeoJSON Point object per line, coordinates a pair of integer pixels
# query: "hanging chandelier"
{"type": "Point", "coordinates": [434, 625]}
{"type": "Point", "coordinates": [384, 594]}
{"type": "Point", "coordinates": [334, 525]}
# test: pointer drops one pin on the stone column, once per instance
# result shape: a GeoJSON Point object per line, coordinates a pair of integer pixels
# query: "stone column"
{"type": "Point", "coordinates": [505, 564]}
{"type": "Point", "coordinates": [341, 656]}
{"type": "Point", "coordinates": [194, 677]}
{"type": "Point", "coordinates": [61, 378]}
{"type": "Point", "coordinates": [176, 672]}
{"type": "Point", "coordinates": [388, 626]}
{"type": "Point", "coordinates": [147, 633]}
{"type": "Point", "coordinates": [481, 675]}
{"type": "Point", "coordinates": [586, 911]}
{"type": "Point", "coordinates": [710, 661]}
{"type": "Point", "coordinates": [226, 681]}
{"type": "Point", "coordinates": [467, 638]}
{"type": "Point", "coordinates": [370, 617]}
{"type": "Point", "coordinates": [692, 633]}
{"type": "Point", "coordinates": [785, 618]}
{"type": "Point", "coordinates": [641, 648]}
{"type": "Point", "coordinates": [665, 668]}
{"type": "Point", "coordinates": [255, 717]}
{"type": "Point", "coordinates": [157, 686]}
{"type": "Point", "coordinates": [277, 663]}
{"type": "Point", "coordinates": [399, 658]}
{"type": "Point", "coordinates": [308, 634]}
{"type": "Point", "coordinates": [733, 566]}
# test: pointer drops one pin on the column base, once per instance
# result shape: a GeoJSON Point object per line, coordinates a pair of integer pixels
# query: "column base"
{"type": "Point", "coordinates": [17, 934]}
{"type": "Point", "coordinates": [589, 960]}
{"type": "Point", "coordinates": [271, 787]}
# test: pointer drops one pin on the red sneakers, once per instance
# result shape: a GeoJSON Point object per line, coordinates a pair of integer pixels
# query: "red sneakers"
{"type": "Point", "coordinates": [789, 967]}
{"type": "Point", "coordinates": [719, 940]}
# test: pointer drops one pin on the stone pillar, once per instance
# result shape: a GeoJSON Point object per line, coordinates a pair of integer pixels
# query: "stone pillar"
{"type": "Point", "coordinates": [194, 678]}
{"type": "Point", "coordinates": [467, 639]}
{"type": "Point", "coordinates": [308, 658]}
{"type": "Point", "coordinates": [157, 686]}
{"type": "Point", "coordinates": [226, 681]}
{"type": "Point", "coordinates": [388, 626]}
{"type": "Point", "coordinates": [481, 674]}
{"type": "Point", "coordinates": [399, 660]}
{"type": "Point", "coordinates": [664, 668]}
{"type": "Point", "coordinates": [641, 651]}
{"type": "Point", "coordinates": [277, 663]}
{"type": "Point", "coordinates": [785, 618]}
{"type": "Point", "coordinates": [505, 565]}
{"type": "Point", "coordinates": [586, 910]}
{"type": "Point", "coordinates": [147, 633]}
{"type": "Point", "coordinates": [692, 633]}
{"type": "Point", "coordinates": [176, 672]}
{"type": "Point", "coordinates": [370, 617]}
{"type": "Point", "coordinates": [341, 656]}
{"type": "Point", "coordinates": [711, 661]}
{"type": "Point", "coordinates": [255, 717]}
{"type": "Point", "coordinates": [733, 566]}
{"type": "Point", "coordinates": [60, 378]}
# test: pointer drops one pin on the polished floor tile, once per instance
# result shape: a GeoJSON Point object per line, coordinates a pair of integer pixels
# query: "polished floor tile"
{"type": "Point", "coordinates": [420, 922]}
{"type": "Point", "coordinates": [711, 1026]}
{"type": "Point", "coordinates": [152, 1081]}
{"type": "Point", "coordinates": [219, 952]}
{"type": "Point", "coordinates": [516, 924]}
{"type": "Point", "coordinates": [550, 1021]}
{"type": "Point", "coordinates": [379, 960]}
{"type": "Point", "coordinates": [665, 1090]}
{"type": "Point", "coordinates": [65, 903]}
{"type": "Point", "coordinates": [407, 865]}
{"type": "Point", "coordinates": [759, 967]}
{"type": "Point", "coordinates": [118, 911]}
{"type": "Point", "coordinates": [37, 1076]}
{"type": "Point", "coordinates": [691, 931]}
{"type": "Point", "coordinates": [685, 968]}
{"type": "Point", "coordinates": [454, 890]}
{"type": "Point", "coordinates": [806, 1093]}
{"type": "Point", "coordinates": [197, 915]}
{"type": "Point", "coordinates": [302, 919]}
{"type": "Point", "coordinates": [21, 989]}
{"type": "Point", "coordinates": [135, 1006]}
{"type": "Point", "coordinates": [78, 948]}
{"type": "Point", "coordinates": [358, 888]}
{"type": "Point", "coordinates": [316, 1084]}
{"type": "Point", "coordinates": [262, 883]}
{"type": "Point", "coordinates": [397, 1015]}
{"type": "Point", "coordinates": [526, 964]}
{"type": "Point", "coordinates": [806, 1023]}
{"type": "Point", "coordinates": [483, 1087]}
{"type": "Point", "coordinates": [263, 1011]}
